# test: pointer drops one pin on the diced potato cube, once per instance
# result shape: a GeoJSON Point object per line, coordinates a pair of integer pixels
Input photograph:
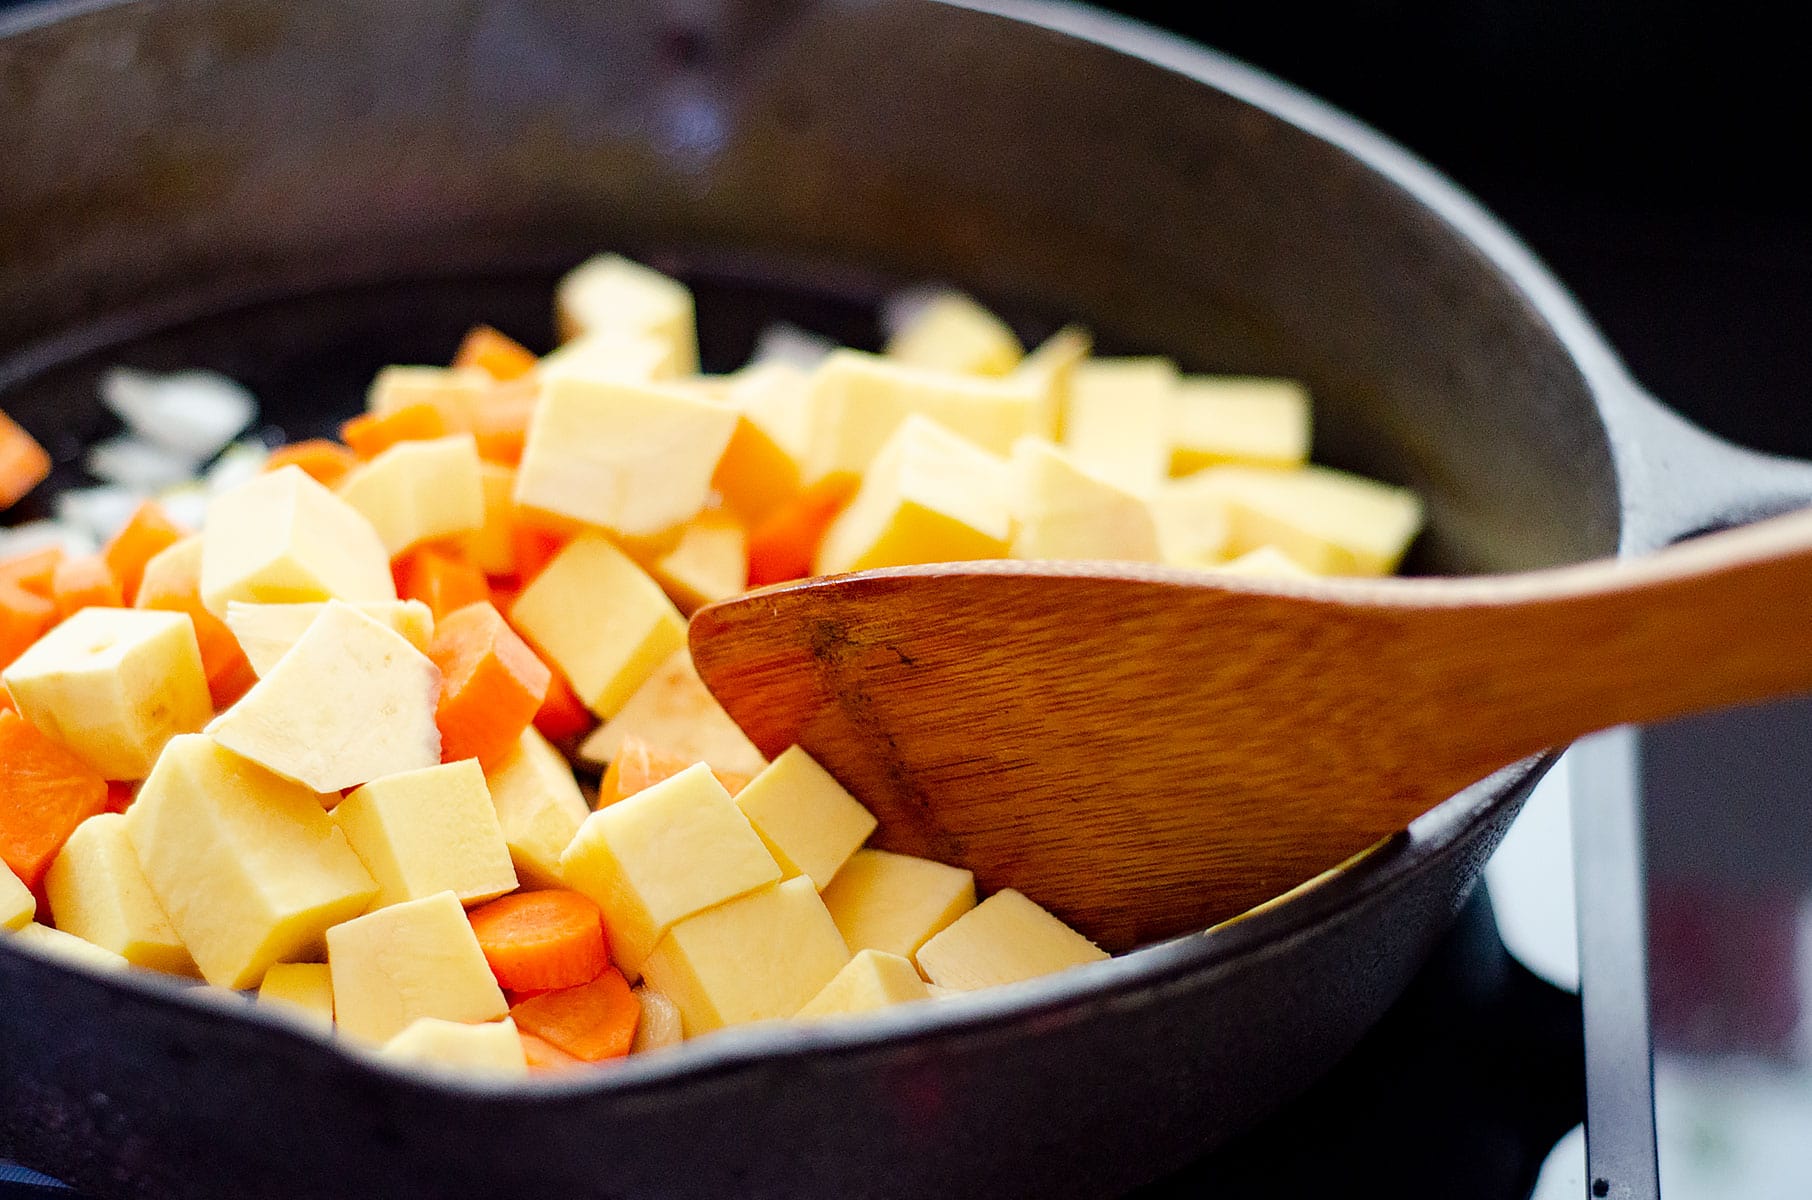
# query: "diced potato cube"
{"type": "Point", "coordinates": [1193, 523]}
{"type": "Point", "coordinates": [1330, 522]}
{"type": "Point", "coordinates": [492, 547]}
{"type": "Point", "coordinates": [245, 864]}
{"type": "Point", "coordinates": [456, 391]}
{"type": "Point", "coordinates": [661, 855]}
{"type": "Point", "coordinates": [1118, 420]}
{"type": "Point", "coordinates": [301, 989]}
{"type": "Point", "coordinates": [806, 820]}
{"type": "Point", "coordinates": [427, 831]}
{"type": "Point", "coordinates": [1061, 510]}
{"type": "Point", "coordinates": [951, 332]}
{"type": "Point", "coordinates": [872, 979]}
{"type": "Point", "coordinates": [597, 617]}
{"type": "Point", "coordinates": [539, 807]}
{"type": "Point", "coordinates": [1260, 422]}
{"type": "Point", "coordinates": [66, 947]}
{"type": "Point", "coordinates": [633, 458]}
{"type": "Point", "coordinates": [660, 1025]}
{"type": "Point", "coordinates": [709, 562]}
{"type": "Point", "coordinates": [930, 496]}
{"type": "Point", "coordinates": [406, 961]}
{"type": "Point", "coordinates": [17, 905]}
{"type": "Point", "coordinates": [114, 684]}
{"type": "Point", "coordinates": [1052, 369]}
{"type": "Point", "coordinates": [675, 711]}
{"type": "Point", "coordinates": [618, 355]}
{"type": "Point", "coordinates": [282, 538]}
{"type": "Point", "coordinates": [419, 491]}
{"type": "Point", "coordinates": [894, 902]}
{"type": "Point", "coordinates": [1266, 562]}
{"type": "Point", "coordinates": [858, 401]}
{"type": "Point", "coordinates": [492, 1048]}
{"type": "Point", "coordinates": [97, 891]}
{"type": "Point", "coordinates": [1003, 939]}
{"type": "Point", "coordinates": [758, 957]}
{"type": "Point", "coordinates": [267, 631]}
{"type": "Point", "coordinates": [352, 701]}
{"type": "Point", "coordinates": [609, 292]}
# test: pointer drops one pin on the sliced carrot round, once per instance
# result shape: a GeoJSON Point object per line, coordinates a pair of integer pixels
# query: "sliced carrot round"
{"type": "Point", "coordinates": [535, 941]}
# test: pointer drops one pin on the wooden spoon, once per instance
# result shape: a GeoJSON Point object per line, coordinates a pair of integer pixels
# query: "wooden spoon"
{"type": "Point", "coordinates": [1147, 751]}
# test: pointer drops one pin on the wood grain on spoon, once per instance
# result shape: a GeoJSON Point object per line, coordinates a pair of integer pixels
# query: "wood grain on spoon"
{"type": "Point", "coordinates": [1147, 751]}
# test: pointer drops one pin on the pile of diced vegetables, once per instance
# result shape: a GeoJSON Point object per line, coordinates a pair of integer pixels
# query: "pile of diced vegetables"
{"type": "Point", "coordinates": [323, 747]}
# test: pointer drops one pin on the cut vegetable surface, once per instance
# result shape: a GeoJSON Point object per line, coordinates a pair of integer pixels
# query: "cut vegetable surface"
{"type": "Point", "coordinates": [592, 1022]}
{"type": "Point", "coordinates": [539, 941]}
{"type": "Point", "coordinates": [491, 684]}
{"type": "Point", "coordinates": [45, 792]}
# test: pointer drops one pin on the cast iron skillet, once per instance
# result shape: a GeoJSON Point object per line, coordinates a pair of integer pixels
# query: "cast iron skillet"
{"type": "Point", "coordinates": [297, 193]}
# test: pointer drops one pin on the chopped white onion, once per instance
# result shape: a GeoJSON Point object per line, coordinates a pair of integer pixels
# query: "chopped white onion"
{"type": "Point", "coordinates": [238, 463]}
{"type": "Point", "coordinates": [189, 413]}
{"type": "Point", "coordinates": [185, 504]}
{"type": "Point", "coordinates": [139, 466]}
{"type": "Point", "coordinates": [100, 512]}
{"type": "Point", "coordinates": [36, 535]}
{"type": "Point", "coordinates": [789, 344]}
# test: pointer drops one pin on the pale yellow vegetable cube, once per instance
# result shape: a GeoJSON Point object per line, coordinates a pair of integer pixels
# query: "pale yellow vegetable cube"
{"type": "Point", "coordinates": [1193, 523]}
{"type": "Point", "coordinates": [1003, 939]}
{"type": "Point", "coordinates": [266, 631]}
{"type": "Point", "coordinates": [455, 390]}
{"type": "Point", "coordinates": [951, 332]}
{"type": "Point", "coordinates": [114, 685]}
{"type": "Point", "coordinates": [633, 458]}
{"type": "Point", "coordinates": [539, 807]}
{"type": "Point", "coordinates": [419, 491]}
{"type": "Point", "coordinates": [660, 1025]}
{"type": "Point", "coordinates": [807, 821]}
{"type": "Point", "coordinates": [872, 979]}
{"type": "Point", "coordinates": [893, 902]}
{"type": "Point", "coordinates": [171, 569]}
{"type": "Point", "coordinates": [427, 831]}
{"type": "Point", "coordinates": [97, 891]}
{"type": "Point", "coordinates": [661, 855]}
{"type": "Point", "coordinates": [417, 959]}
{"type": "Point", "coordinates": [858, 401]}
{"type": "Point", "coordinates": [1232, 419]}
{"type": "Point", "coordinates": [1052, 369]}
{"type": "Point", "coordinates": [17, 905]}
{"type": "Point", "coordinates": [301, 989]}
{"type": "Point", "coordinates": [621, 355]}
{"type": "Point", "coordinates": [758, 957]}
{"type": "Point", "coordinates": [1330, 522]}
{"type": "Point", "coordinates": [674, 711]}
{"type": "Point", "coordinates": [1061, 510]}
{"type": "Point", "coordinates": [930, 496]}
{"type": "Point", "coordinates": [610, 292]}
{"type": "Point", "coordinates": [597, 617]}
{"type": "Point", "coordinates": [246, 865]}
{"type": "Point", "coordinates": [282, 538]}
{"type": "Point", "coordinates": [492, 1048]}
{"type": "Point", "coordinates": [1118, 420]}
{"type": "Point", "coordinates": [709, 562]}
{"type": "Point", "coordinates": [66, 947]}
{"type": "Point", "coordinates": [492, 547]}
{"type": "Point", "coordinates": [352, 701]}
{"type": "Point", "coordinates": [1266, 562]}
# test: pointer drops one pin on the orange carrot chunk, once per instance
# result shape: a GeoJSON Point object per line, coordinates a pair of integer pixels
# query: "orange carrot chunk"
{"type": "Point", "coordinates": [444, 582]}
{"type": "Point", "coordinates": [45, 792]}
{"type": "Point", "coordinates": [149, 532]}
{"type": "Point", "coordinates": [783, 545]}
{"type": "Point", "coordinates": [500, 421]}
{"type": "Point", "coordinates": [593, 1022]}
{"type": "Point", "coordinates": [326, 462]}
{"type": "Point", "coordinates": [23, 463]}
{"type": "Point", "coordinates": [498, 355]}
{"type": "Point", "coordinates": [544, 1057]}
{"type": "Point", "coordinates": [177, 588]}
{"type": "Point", "coordinates": [372, 433]}
{"type": "Point", "coordinates": [84, 582]}
{"type": "Point", "coordinates": [32, 570]}
{"type": "Point", "coordinates": [491, 684]}
{"type": "Point", "coordinates": [638, 765]}
{"type": "Point", "coordinates": [24, 616]}
{"type": "Point", "coordinates": [120, 795]}
{"type": "Point", "coordinates": [540, 941]}
{"type": "Point", "coordinates": [562, 715]}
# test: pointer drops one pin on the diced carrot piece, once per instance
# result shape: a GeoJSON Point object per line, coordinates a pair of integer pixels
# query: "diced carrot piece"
{"type": "Point", "coordinates": [491, 684]}
{"type": "Point", "coordinates": [442, 581]}
{"type": "Point", "coordinates": [23, 463]}
{"type": "Point", "coordinates": [638, 765]}
{"type": "Point", "coordinates": [562, 715]}
{"type": "Point", "coordinates": [172, 583]}
{"type": "Point", "coordinates": [496, 354]}
{"type": "Point", "coordinates": [32, 570]}
{"type": "Point", "coordinates": [325, 461]}
{"type": "Point", "coordinates": [755, 476]}
{"type": "Point", "coordinates": [370, 434]}
{"type": "Point", "coordinates": [84, 582]}
{"type": "Point", "coordinates": [540, 941]}
{"type": "Point", "coordinates": [783, 545]}
{"type": "Point", "coordinates": [7, 703]}
{"type": "Point", "coordinates": [543, 1057]}
{"type": "Point", "coordinates": [501, 418]}
{"type": "Point", "coordinates": [145, 536]}
{"type": "Point", "coordinates": [120, 795]}
{"type": "Point", "coordinates": [45, 792]}
{"type": "Point", "coordinates": [536, 545]}
{"type": "Point", "coordinates": [593, 1022]}
{"type": "Point", "coordinates": [24, 616]}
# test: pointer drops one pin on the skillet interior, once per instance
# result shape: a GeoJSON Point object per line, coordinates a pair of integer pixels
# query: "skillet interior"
{"type": "Point", "coordinates": [325, 188]}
